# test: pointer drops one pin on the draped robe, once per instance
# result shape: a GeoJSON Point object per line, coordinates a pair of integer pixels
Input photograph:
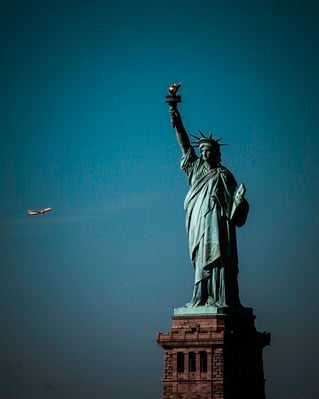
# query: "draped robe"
{"type": "Point", "coordinates": [211, 231]}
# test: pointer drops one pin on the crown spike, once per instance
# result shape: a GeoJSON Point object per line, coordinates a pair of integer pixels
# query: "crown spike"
{"type": "Point", "coordinates": [195, 137]}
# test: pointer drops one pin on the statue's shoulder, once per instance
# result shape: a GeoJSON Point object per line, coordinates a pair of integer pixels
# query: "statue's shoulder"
{"type": "Point", "coordinates": [225, 170]}
{"type": "Point", "coordinates": [226, 173]}
{"type": "Point", "coordinates": [189, 158]}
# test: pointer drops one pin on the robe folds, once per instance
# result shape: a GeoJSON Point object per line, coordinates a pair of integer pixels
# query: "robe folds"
{"type": "Point", "coordinates": [211, 229]}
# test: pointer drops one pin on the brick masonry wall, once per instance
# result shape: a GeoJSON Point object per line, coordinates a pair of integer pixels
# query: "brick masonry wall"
{"type": "Point", "coordinates": [218, 338]}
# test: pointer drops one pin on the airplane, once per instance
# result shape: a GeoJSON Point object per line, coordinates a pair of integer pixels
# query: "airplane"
{"type": "Point", "coordinates": [39, 211]}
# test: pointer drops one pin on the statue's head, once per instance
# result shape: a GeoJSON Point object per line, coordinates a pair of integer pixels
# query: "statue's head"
{"type": "Point", "coordinates": [209, 148]}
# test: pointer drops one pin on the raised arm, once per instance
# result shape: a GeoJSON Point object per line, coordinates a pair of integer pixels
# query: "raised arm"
{"type": "Point", "coordinates": [181, 134]}
{"type": "Point", "coordinates": [176, 120]}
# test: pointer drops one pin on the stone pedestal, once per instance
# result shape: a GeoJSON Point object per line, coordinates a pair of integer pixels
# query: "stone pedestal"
{"type": "Point", "coordinates": [213, 354]}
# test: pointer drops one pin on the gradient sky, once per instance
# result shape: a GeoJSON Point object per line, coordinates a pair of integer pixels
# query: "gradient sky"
{"type": "Point", "coordinates": [85, 130]}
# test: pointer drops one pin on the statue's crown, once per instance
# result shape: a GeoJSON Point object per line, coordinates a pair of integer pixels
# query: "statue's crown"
{"type": "Point", "coordinates": [202, 139]}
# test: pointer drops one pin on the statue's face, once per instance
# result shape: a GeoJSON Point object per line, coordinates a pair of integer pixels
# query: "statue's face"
{"type": "Point", "coordinates": [208, 154]}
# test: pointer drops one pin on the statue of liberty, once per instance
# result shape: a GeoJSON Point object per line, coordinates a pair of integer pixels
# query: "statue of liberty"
{"type": "Point", "coordinates": [214, 206]}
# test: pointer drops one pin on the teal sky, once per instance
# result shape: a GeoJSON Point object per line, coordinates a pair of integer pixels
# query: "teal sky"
{"type": "Point", "coordinates": [85, 130]}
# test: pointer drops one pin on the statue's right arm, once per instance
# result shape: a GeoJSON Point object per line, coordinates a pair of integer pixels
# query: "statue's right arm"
{"type": "Point", "coordinates": [181, 134]}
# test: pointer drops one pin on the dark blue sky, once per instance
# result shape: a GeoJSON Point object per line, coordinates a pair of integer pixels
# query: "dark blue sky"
{"type": "Point", "coordinates": [85, 130]}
